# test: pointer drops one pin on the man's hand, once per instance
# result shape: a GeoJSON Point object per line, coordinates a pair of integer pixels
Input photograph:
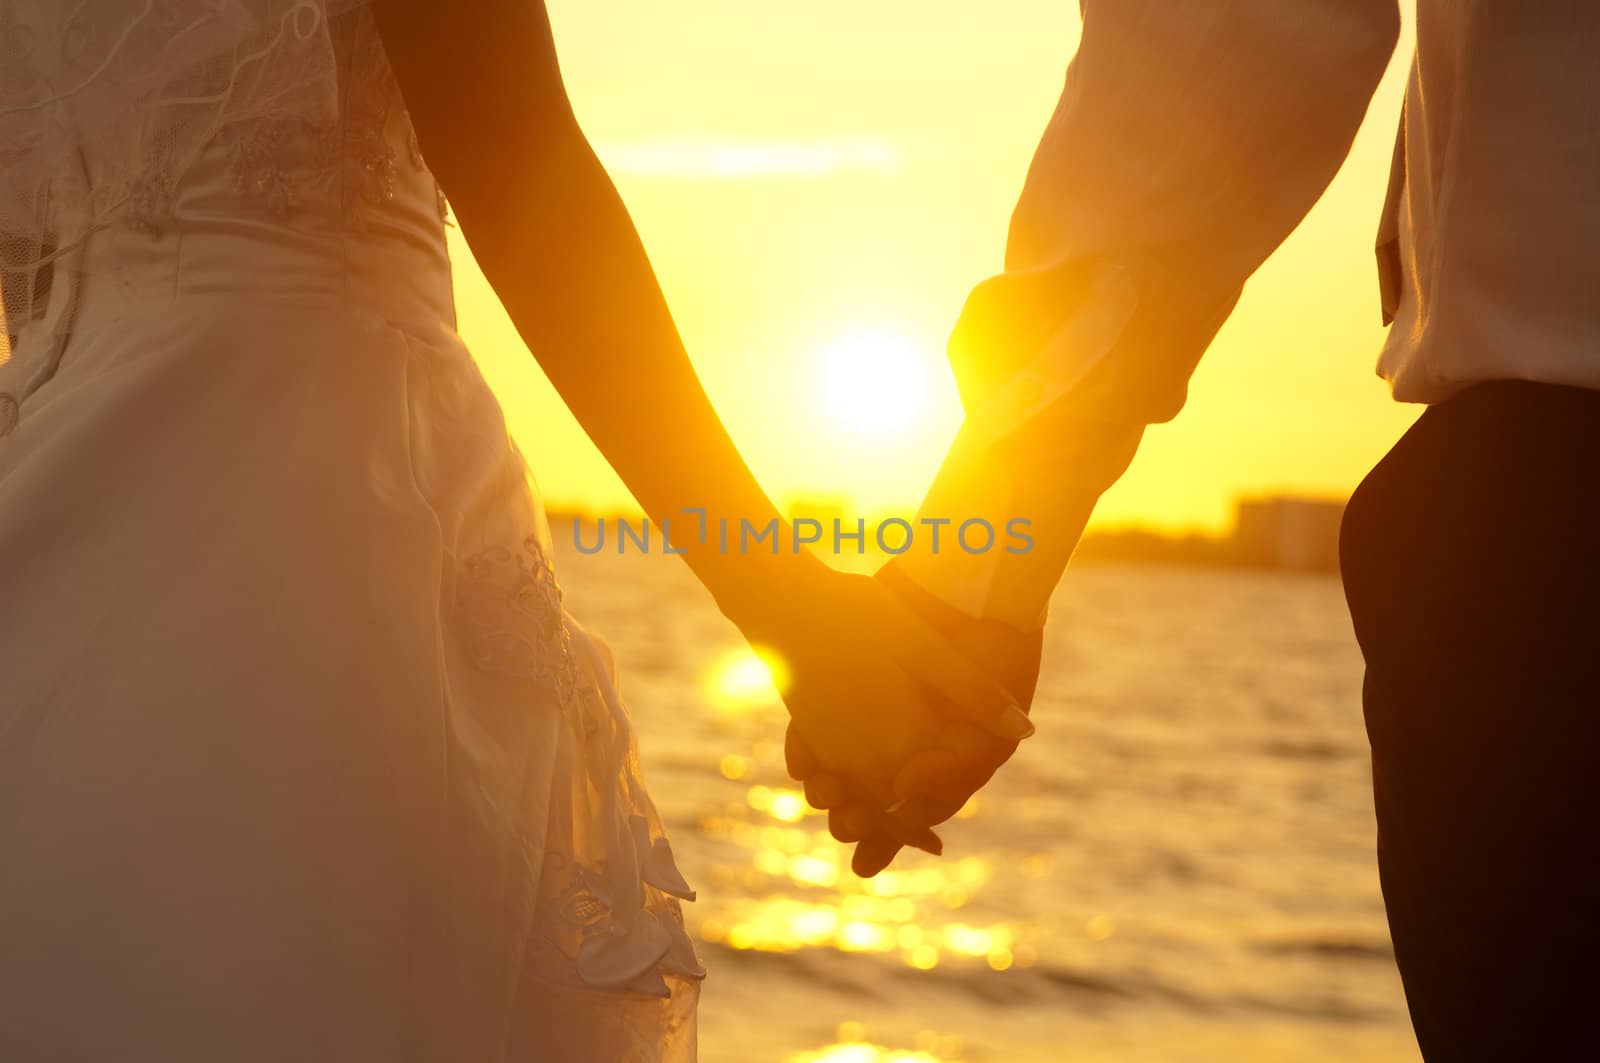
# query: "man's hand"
{"type": "Point", "coordinates": [956, 759]}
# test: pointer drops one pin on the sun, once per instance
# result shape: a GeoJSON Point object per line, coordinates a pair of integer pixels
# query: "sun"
{"type": "Point", "coordinates": [875, 383]}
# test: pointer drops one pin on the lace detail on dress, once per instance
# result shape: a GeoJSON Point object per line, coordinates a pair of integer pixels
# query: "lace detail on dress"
{"type": "Point", "coordinates": [615, 928]}
{"type": "Point", "coordinates": [514, 609]}
{"type": "Point", "coordinates": [418, 161]}
{"type": "Point", "coordinates": [152, 194]}
{"type": "Point", "coordinates": [258, 152]}
{"type": "Point", "coordinates": [278, 160]}
{"type": "Point", "coordinates": [608, 916]}
{"type": "Point", "coordinates": [372, 92]}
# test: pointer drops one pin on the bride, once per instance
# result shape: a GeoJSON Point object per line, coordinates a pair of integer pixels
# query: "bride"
{"type": "Point", "coordinates": [301, 755]}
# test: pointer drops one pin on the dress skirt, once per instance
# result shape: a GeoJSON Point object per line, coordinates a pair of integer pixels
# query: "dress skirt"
{"type": "Point", "coordinates": [301, 755]}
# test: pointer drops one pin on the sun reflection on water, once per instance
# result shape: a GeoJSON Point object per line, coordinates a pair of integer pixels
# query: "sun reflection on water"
{"type": "Point", "coordinates": [853, 1047]}
{"type": "Point", "coordinates": [865, 1053]}
{"type": "Point", "coordinates": [807, 898]}
{"type": "Point", "coordinates": [789, 806]}
{"type": "Point", "coordinates": [745, 680]}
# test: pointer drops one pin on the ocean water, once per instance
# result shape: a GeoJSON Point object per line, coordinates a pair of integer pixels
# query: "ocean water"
{"type": "Point", "coordinates": [1178, 867]}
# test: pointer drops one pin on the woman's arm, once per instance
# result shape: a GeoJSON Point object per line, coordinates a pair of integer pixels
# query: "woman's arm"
{"type": "Point", "coordinates": [484, 89]}
{"type": "Point", "coordinates": [542, 217]}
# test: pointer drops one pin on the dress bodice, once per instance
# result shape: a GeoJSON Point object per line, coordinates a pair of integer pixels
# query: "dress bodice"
{"type": "Point", "coordinates": [329, 203]}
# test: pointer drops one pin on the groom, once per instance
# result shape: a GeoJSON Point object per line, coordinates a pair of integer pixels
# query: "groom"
{"type": "Point", "coordinates": [1190, 140]}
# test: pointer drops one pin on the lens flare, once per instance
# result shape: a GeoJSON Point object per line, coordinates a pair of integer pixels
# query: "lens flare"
{"type": "Point", "coordinates": [748, 679]}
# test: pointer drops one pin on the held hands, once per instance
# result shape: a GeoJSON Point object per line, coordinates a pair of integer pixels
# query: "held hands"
{"type": "Point", "coordinates": [883, 707]}
{"type": "Point", "coordinates": [958, 754]}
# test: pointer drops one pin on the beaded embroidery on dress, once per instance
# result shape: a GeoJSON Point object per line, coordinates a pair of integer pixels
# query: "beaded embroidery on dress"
{"type": "Point", "coordinates": [364, 786]}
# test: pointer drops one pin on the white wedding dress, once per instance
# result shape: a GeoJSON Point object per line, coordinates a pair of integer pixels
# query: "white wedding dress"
{"type": "Point", "coordinates": [301, 757]}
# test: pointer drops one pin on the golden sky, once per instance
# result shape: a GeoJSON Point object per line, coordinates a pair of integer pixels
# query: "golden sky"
{"type": "Point", "coordinates": [820, 185]}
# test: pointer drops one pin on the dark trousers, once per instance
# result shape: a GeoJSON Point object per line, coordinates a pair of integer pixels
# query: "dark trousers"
{"type": "Point", "coordinates": [1471, 560]}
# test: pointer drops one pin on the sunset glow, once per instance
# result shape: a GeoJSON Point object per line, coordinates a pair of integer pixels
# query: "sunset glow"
{"type": "Point", "coordinates": [795, 220]}
{"type": "Point", "coordinates": [874, 384]}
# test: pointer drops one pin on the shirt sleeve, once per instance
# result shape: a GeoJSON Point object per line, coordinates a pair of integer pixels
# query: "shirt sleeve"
{"type": "Point", "coordinates": [1189, 141]}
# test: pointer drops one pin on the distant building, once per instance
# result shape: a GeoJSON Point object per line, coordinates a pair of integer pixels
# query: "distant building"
{"type": "Point", "coordinates": [1146, 545]}
{"type": "Point", "coordinates": [1299, 534]}
{"type": "Point", "coordinates": [1284, 532]}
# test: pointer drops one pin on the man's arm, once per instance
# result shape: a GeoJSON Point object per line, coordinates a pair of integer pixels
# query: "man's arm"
{"type": "Point", "coordinates": [1189, 142]}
